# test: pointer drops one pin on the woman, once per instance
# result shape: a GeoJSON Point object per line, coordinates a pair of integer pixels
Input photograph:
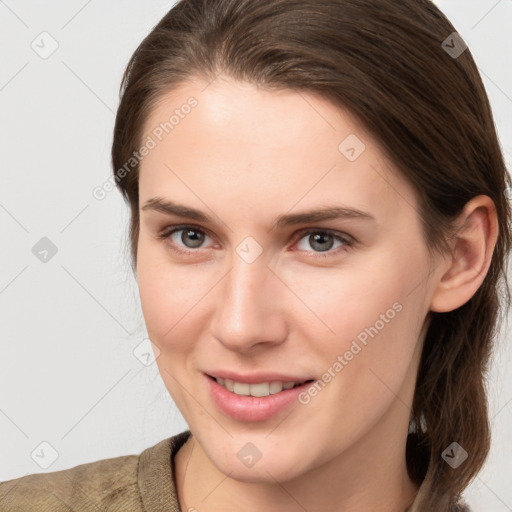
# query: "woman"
{"type": "Point", "coordinates": [318, 220]}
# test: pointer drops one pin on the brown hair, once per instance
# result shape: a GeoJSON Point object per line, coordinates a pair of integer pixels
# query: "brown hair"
{"type": "Point", "coordinates": [384, 61]}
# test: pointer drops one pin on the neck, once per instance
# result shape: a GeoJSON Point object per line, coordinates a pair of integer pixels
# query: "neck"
{"type": "Point", "coordinates": [371, 475]}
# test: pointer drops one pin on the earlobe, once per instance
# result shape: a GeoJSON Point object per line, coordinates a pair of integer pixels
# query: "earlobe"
{"type": "Point", "coordinates": [472, 249]}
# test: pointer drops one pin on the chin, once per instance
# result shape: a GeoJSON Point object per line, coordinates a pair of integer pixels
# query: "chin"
{"type": "Point", "coordinates": [275, 467]}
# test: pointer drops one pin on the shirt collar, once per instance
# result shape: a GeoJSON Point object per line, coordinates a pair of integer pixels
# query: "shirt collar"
{"type": "Point", "coordinates": [156, 474]}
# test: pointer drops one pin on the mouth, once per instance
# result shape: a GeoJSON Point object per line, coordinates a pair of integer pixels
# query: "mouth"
{"type": "Point", "coordinates": [260, 401]}
{"type": "Point", "coordinates": [260, 389]}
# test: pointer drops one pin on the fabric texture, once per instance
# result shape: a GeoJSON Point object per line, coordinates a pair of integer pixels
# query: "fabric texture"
{"type": "Point", "coordinates": [130, 483]}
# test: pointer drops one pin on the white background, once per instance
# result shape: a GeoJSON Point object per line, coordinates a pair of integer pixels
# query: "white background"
{"type": "Point", "coordinates": [68, 327]}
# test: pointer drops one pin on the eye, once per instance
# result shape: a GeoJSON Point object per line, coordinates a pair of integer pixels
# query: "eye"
{"type": "Point", "coordinates": [323, 241]}
{"type": "Point", "coordinates": [191, 238]}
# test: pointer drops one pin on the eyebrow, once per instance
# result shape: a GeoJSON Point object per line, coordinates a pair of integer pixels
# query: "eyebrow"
{"type": "Point", "coordinates": [315, 215]}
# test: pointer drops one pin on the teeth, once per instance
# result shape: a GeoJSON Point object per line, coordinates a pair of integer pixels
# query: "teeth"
{"type": "Point", "coordinates": [259, 389]}
{"type": "Point", "coordinates": [275, 387]}
{"type": "Point", "coordinates": [241, 389]}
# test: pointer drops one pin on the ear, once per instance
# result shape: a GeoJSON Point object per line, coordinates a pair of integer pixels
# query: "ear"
{"type": "Point", "coordinates": [470, 258]}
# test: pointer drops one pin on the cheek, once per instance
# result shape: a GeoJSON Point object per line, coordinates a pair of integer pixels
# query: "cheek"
{"type": "Point", "coordinates": [372, 311]}
{"type": "Point", "coordinates": [376, 322]}
{"type": "Point", "coordinates": [339, 303]}
{"type": "Point", "coordinates": [170, 295]}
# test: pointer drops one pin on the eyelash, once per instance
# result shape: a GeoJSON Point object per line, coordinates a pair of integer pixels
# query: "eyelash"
{"type": "Point", "coordinates": [347, 240]}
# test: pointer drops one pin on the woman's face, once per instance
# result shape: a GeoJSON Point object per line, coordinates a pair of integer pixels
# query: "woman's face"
{"type": "Point", "coordinates": [258, 284]}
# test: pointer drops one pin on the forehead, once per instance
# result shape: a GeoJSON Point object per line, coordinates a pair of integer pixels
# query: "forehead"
{"type": "Point", "coordinates": [256, 150]}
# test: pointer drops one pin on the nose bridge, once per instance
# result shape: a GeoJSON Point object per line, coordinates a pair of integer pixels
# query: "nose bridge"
{"type": "Point", "coordinates": [245, 309]}
{"type": "Point", "coordinates": [246, 290]}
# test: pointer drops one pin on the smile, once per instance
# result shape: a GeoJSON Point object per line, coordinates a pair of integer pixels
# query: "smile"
{"type": "Point", "coordinates": [258, 389]}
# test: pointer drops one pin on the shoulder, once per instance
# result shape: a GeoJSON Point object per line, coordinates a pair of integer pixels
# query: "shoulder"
{"type": "Point", "coordinates": [119, 483]}
{"type": "Point", "coordinates": [84, 486]}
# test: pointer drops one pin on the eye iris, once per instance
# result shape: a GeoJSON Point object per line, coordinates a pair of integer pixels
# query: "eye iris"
{"type": "Point", "coordinates": [197, 237]}
{"type": "Point", "coordinates": [316, 238]}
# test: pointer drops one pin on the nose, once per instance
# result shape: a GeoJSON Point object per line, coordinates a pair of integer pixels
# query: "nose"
{"type": "Point", "coordinates": [249, 308]}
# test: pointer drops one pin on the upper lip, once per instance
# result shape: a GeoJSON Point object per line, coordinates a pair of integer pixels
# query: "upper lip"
{"type": "Point", "coordinates": [255, 378]}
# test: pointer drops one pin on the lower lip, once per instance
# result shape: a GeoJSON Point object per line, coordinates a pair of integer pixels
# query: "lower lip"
{"type": "Point", "coordinates": [253, 408]}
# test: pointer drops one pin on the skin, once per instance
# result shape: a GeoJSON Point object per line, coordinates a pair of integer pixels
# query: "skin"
{"type": "Point", "coordinates": [245, 156]}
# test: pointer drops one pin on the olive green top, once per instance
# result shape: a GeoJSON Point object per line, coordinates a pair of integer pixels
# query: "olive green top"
{"type": "Point", "coordinates": [130, 483]}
